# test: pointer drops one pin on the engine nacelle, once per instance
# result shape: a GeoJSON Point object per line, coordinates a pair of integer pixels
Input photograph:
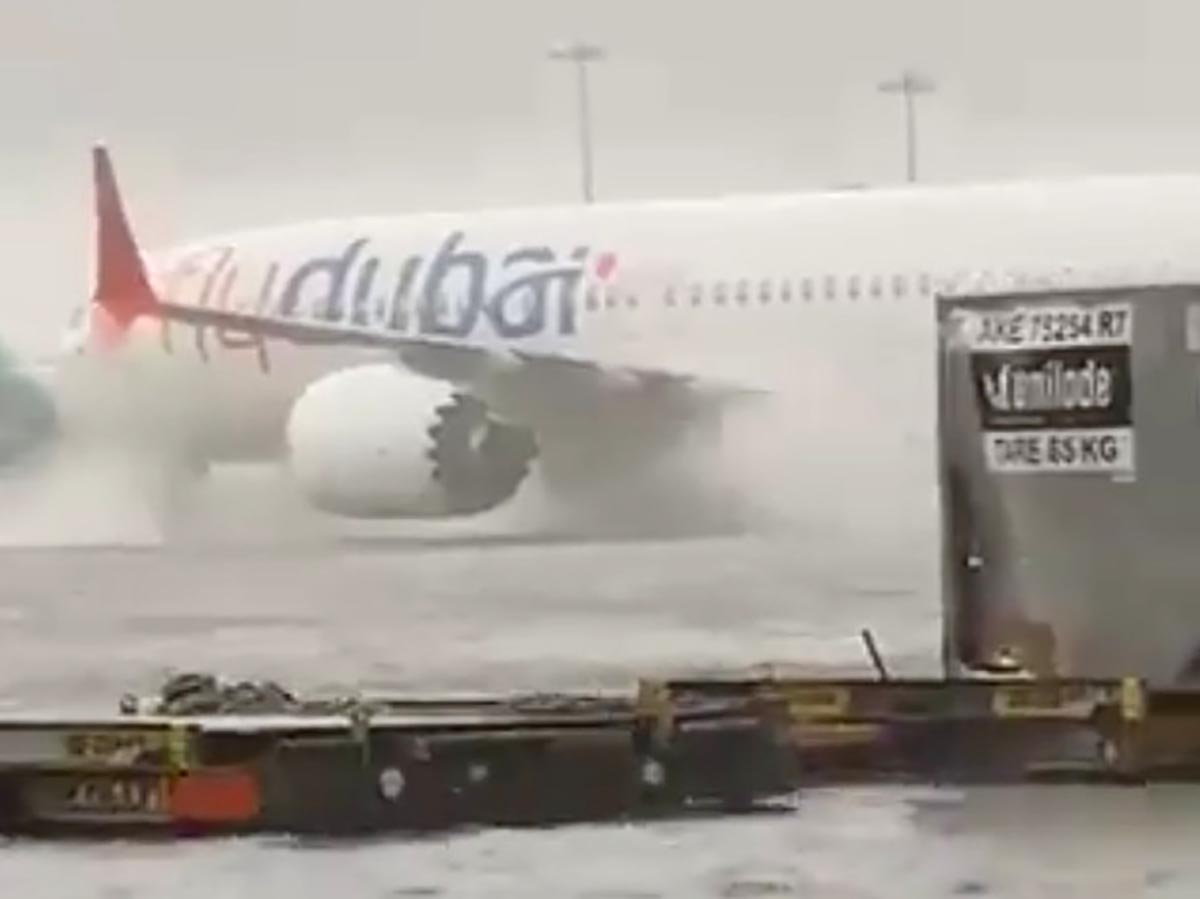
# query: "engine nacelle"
{"type": "Point", "coordinates": [377, 441]}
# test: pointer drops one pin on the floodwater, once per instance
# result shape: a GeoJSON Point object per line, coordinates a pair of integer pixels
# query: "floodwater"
{"type": "Point", "coordinates": [79, 627]}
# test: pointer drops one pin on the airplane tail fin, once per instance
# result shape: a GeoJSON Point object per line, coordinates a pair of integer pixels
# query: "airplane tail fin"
{"type": "Point", "coordinates": [123, 292]}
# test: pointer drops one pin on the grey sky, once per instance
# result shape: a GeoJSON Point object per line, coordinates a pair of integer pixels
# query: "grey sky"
{"type": "Point", "coordinates": [227, 113]}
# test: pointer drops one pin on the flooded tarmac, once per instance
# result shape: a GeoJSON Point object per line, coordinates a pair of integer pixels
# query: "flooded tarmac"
{"type": "Point", "coordinates": [79, 627]}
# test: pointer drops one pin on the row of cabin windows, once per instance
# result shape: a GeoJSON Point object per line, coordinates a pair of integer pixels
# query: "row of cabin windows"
{"type": "Point", "coordinates": [744, 292]}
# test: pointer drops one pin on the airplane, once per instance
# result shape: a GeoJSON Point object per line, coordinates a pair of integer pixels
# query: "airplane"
{"type": "Point", "coordinates": [28, 416]}
{"type": "Point", "coordinates": [671, 361]}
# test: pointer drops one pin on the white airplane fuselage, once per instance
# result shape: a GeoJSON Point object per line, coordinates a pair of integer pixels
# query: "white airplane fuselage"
{"type": "Point", "coordinates": [825, 301]}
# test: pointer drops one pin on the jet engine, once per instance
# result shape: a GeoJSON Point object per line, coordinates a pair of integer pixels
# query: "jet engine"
{"type": "Point", "coordinates": [377, 441]}
{"type": "Point", "coordinates": [28, 417]}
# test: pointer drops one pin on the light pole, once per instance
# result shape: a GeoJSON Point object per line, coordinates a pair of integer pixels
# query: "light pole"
{"type": "Point", "coordinates": [580, 53]}
{"type": "Point", "coordinates": [909, 84]}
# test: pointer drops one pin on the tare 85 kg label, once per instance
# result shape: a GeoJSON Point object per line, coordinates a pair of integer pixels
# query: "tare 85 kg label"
{"type": "Point", "coordinates": [1075, 450]}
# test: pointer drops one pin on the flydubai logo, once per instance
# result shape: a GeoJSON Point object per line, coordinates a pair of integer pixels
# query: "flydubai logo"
{"type": "Point", "coordinates": [454, 292]}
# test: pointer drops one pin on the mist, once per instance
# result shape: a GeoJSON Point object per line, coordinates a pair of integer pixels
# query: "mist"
{"type": "Point", "coordinates": [230, 116]}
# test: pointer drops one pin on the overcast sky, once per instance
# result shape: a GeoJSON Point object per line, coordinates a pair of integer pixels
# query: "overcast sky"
{"type": "Point", "coordinates": [229, 113]}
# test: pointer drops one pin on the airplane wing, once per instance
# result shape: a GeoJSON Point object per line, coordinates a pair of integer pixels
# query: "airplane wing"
{"type": "Point", "coordinates": [124, 294]}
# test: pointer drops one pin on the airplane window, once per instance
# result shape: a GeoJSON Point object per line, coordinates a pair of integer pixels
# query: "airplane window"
{"type": "Point", "coordinates": [852, 287]}
{"type": "Point", "coordinates": [631, 301]}
{"type": "Point", "coordinates": [669, 296]}
{"type": "Point", "coordinates": [697, 294]}
{"type": "Point", "coordinates": [785, 291]}
{"type": "Point", "coordinates": [719, 293]}
{"type": "Point", "coordinates": [924, 284]}
{"type": "Point", "coordinates": [876, 287]}
{"type": "Point", "coordinates": [830, 287]}
{"type": "Point", "coordinates": [592, 301]}
{"type": "Point", "coordinates": [610, 301]}
{"type": "Point", "coordinates": [764, 292]}
{"type": "Point", "coordinates": [807, 289]}
{"type": "Point", "coordinates": [898, 286]}
{"type": "Point", "coordinates": [743, 292]}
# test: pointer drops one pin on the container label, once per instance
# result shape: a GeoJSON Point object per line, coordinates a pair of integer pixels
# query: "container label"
{"type": "Point", "coordinates": [1054, 387]}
